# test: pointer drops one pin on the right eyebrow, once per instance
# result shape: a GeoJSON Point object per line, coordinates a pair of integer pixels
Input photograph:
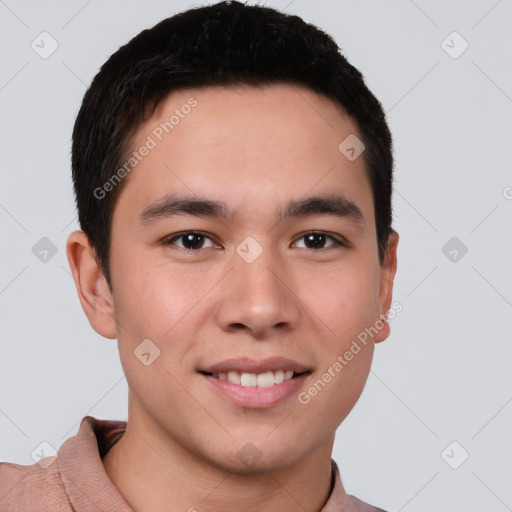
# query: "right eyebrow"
{"type": "Point", "coordinates": [171, 205]}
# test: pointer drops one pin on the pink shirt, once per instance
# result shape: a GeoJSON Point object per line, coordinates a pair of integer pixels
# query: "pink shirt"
{"type": "Point", "coordinates": [75, 480]}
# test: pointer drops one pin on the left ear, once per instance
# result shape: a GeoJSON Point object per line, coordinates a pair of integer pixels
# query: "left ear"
{"type": "Point", "coordinates": [387, 277]}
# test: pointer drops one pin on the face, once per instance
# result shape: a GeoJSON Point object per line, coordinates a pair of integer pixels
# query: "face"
{"type": "Point", "coordinates": [257, 282]}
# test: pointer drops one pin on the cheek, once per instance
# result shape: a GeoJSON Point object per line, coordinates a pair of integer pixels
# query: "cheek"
{"type": "Point", "coordinates": [348, 304]}
{"type": "Point", "coordinates": [345, 299]}
{"type": "Point", "coordinates": [158, 302]}
{"type": "Point", "coordinates": [153, 298]}
{"type": "Point", "coordinates": [153, 306]}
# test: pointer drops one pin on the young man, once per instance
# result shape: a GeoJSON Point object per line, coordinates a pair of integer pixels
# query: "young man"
{"type": "Point", "coordinates": [233, 181]}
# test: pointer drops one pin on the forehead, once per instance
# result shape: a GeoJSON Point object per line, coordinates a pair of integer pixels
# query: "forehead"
{"type": "Point", "coordinates": [243, 143]}
{"type": "Point", "coordinates": [255, 110]}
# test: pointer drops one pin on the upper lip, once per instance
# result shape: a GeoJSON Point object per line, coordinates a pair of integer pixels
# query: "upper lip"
{"type": "Point", "coordinates": [247, 365]}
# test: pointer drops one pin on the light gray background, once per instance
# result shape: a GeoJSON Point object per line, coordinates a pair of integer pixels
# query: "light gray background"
{"type": "Point", "coordinates": [443, 375]}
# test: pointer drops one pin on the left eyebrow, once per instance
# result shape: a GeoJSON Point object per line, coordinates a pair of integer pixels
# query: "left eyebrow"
{"type": "Point", "coordinates": [332, 204]}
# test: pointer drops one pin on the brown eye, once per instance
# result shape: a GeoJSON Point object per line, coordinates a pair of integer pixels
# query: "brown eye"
{"type": "Point", "coordinates": [190, 240]}
{"type": "Point", "coordinates": [316, 240]}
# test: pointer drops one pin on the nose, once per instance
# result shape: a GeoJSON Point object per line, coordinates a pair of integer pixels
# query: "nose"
{"type": "Point", "coordinates": [258, 297]}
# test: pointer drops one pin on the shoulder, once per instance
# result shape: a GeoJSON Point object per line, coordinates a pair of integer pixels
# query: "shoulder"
{"type": "Point", "coordinates": [35, 487]}
{"type": "Point", "coordinates": [71, 480]}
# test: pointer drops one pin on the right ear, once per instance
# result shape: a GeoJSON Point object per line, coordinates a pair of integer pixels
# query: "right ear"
{"type": "Point", "coordinates": [91, 285]}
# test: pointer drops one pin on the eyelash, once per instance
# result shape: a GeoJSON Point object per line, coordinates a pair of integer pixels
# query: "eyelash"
{"type": "Point", "coordinates": [173, 238]}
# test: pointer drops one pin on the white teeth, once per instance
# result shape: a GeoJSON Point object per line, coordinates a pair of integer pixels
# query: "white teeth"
{"type": "Point", "coordinates": [279, 376]}
{"type": "Point", "coordinates": [265, 380]}
{"type": "Point", "coordinates": [234, 377]}
{"type": "Point", "coordinates": [248, 379]}
{"type": "Point", "coordinates": [261, 380]}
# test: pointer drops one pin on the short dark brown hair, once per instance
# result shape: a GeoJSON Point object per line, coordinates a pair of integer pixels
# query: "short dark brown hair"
{"type": "Point", "coordinates": [228, 43]}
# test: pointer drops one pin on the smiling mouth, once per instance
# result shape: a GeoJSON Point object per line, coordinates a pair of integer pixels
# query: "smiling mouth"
{"type": "Point", "coordinates": [260, 380]}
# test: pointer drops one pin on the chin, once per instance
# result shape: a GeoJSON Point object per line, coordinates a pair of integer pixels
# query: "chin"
{"type": "Point", "coordinates": [252, 455]}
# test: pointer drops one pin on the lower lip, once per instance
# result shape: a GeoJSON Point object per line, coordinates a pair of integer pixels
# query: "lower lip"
{"type": "Point", "coordinates": [255, 397]}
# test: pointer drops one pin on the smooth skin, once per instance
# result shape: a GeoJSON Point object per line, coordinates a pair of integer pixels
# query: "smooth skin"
{"type": "Point", "coordinates": [255, 149]}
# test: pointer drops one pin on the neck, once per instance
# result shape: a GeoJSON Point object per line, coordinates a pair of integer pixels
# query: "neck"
{"type": "Point", "coordinates": [156, 474]}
